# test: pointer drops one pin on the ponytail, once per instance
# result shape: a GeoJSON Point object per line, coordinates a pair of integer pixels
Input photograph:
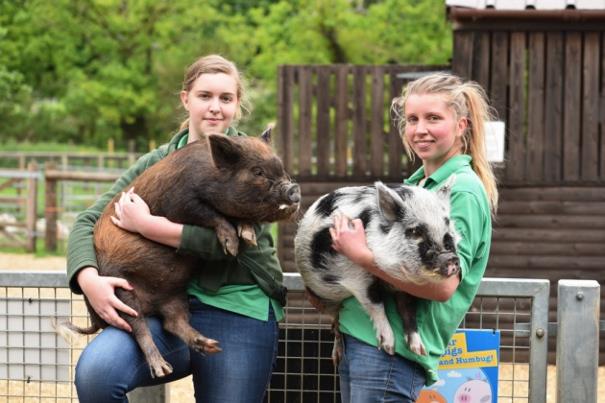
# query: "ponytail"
{"type": "Point", "coordinates": [467, 100]}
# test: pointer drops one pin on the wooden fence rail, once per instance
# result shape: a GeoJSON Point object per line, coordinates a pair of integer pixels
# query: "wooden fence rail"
{"type": "Point", "coordinates": [101, 160]}
{"type": "Point", "coordinates": [25, 201]}
{"type": "Point", "coordinates": [51, 178]}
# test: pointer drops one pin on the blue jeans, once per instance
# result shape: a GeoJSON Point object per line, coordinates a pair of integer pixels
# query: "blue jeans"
{"type": "Point", "coordinates": [112, 364]}
{"type": "Point", "coordinates": [369, 375]}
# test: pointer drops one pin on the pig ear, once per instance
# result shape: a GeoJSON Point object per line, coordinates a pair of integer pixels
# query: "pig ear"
{"type": "Point", "coordinates": [225, 151]}
{"type": "Point", "coordinates": [445, 190]}
{"type": "Point", "coordinates": [388, 202]}
{"type": "Point", "coordinates": [266, 135]}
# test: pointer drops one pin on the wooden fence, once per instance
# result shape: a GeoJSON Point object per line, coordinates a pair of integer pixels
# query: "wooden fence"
{"type": "Point", "coordinates": [67, 160]}
{"type": "Point", "coordinates": [22, 188]}
{"type": "Point", "coordinates": [335, 124]}
{"type": "Point", "coordinates": [545, 79]}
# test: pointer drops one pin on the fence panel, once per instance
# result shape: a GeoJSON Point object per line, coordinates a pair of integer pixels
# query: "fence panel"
{"type": "Point", "coordinates": [335, 121]}
{"type": "Point", "coordinates": [304, 371]}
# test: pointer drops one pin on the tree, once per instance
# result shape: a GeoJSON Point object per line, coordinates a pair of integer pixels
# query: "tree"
{"type": "Point", "coordinates": [84, 71]}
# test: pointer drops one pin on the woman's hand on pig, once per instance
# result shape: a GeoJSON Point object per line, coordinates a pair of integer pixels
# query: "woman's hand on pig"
{"type": "Point", "coordinates": [349, 239]}
{"type": "Point", "coordinates": [131, 212]}
{"type": "Point", "coordinates": [100, 292]}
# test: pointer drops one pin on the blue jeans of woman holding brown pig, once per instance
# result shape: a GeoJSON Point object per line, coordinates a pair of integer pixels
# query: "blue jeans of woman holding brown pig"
{"type": "Point", "coordinates": [112, 364]}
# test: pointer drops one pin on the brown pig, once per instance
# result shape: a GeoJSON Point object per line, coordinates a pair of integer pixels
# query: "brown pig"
{"type": "Point", "coordinates": [211, 183]}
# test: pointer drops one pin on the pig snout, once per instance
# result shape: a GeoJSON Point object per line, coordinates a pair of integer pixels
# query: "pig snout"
{"type": "Point", "coordinates": [449, 264]}
{"type": "Point", "coordinates": [293, 193]}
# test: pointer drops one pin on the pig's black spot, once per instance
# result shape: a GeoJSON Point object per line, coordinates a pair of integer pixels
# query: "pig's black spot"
{"type": "Point", "coordinates": [404, 192]}
{"type": "Point", "coordinates": [331, 279]}
{"type": "Point", "coordinates": [320, 246]}
{"type": "Point", "coordinates": [363, 193]}
{"type": "Point", "coordinates": [426, 250]}
{"type": "Point", "coordinates": [419, 231]}
{"type": "Point", "coordinates": [376, 292]}
{"type": "Point", "coordinates": [448, 243]}
{"type": "Point", "coordinates": [325, 207]}
{"type": "Point", "coordinates": [366, 216]}
{"type": "Point", "coordinates": [447, 221]}
{"type": "Point", "coordinates": [386, 227]}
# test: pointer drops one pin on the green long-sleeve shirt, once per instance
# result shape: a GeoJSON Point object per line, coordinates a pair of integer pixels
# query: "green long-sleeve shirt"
{"type": "Point", "coordinates": [239, 284]}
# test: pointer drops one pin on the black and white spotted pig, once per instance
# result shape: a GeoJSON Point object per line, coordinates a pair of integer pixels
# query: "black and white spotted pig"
{"type": "Point", "coordinates": [410, 234]}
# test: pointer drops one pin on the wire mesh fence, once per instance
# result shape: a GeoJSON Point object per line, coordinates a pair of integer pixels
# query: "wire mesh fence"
{"type": "Point", "coordinates": [37, 365]}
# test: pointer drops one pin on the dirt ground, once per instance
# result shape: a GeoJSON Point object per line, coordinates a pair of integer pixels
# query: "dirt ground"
{"type": "Point", "coordinates": [182, 391]}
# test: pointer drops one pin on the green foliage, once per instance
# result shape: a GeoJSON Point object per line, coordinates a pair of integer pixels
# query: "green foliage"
{"type": "Point", "coordinates": [85, 71]}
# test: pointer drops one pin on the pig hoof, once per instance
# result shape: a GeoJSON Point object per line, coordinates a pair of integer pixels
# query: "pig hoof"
{"type": "Point", "coordinates": [246, 232]}
{"type": "Point", "coordinates": [160, 369]}
{"type": "Point", "coordinates": [204, 345]}
{"type": "Point", "coordinates": [386, 340]}
{"type": "Point", "coordinates": [415, 343]}
{"type": "Point", "coordinates": [337, 351]}
{"type": "Point", "coordinates": [227, 236]}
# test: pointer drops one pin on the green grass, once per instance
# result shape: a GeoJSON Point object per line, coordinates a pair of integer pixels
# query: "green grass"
{"type": "Point", "coordinates": [26, 146]}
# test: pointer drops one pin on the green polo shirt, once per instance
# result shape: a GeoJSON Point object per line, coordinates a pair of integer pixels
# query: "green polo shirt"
{"type": "Point", "coordinates": [438, 321]}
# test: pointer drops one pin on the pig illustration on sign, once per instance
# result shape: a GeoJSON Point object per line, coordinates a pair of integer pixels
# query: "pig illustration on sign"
{"type": "Point", "coordinates": [211, 183]}
{"type": "Point", "coordinates": [474, 391]}
{"type": "Point", "coordinates": [410, 233]}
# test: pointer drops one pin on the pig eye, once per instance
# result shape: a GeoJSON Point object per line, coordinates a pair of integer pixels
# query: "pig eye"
{"type": "Point", "coordinates": [415, 232]}
{"type": "Point", "coordinates": [257, 171]}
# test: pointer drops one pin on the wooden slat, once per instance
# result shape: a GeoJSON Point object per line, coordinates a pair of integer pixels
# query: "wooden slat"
{"type": "Point", "coordinates": [551, 207]}
{"type": "Point", "coordinates": [551, 221]}
{"type": "Point", "coordinates": [554, 193]}
{"type": "Point", "coordinates": [553, 109]}
{"type": "Point", "coordinates": [359, 119]}
{"type": "Point", "coordinates": [377, 122]}
{"type": "Point", "coordinates": [304, 131]}
{"type": "Point", "coordinates": [590, 108]}
{"type": "Point", "coordinates": [341, 128]}
{"type": "Point", "coordinates": [499, 73]}
{"type": "Point", "coordinates": [517, 148]}
{"type": "Point", "coordinates": [535, 113]}
{"type": "Point", "coordinates": [481, 51]}
{"type": "Point", "coordinates": [323, 122]}
{"type": "Point", "coordinates": [463, 53]}
{"type": "Point", "coordinates": [548, 248]}
{"type": "Point", "coordinates": [588, 263]}
{"type": "Point", "coordinates": [572, 125]}
{"type": "Point", "coordinates": [395, 147]}
{"type": "Point", "coordinates": [548, 235]}
{"type": "Point", "coordinates": [602, 110]}
{"type": "Point", "coordinates": [285, 137]}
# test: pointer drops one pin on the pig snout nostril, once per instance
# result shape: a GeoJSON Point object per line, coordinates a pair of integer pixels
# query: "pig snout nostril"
{"type": "Point", "coordinates": [293, 193]}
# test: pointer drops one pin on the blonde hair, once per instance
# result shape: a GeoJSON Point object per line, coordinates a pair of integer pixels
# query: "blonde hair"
{"type": "Point", "coordinates": [468, 100]}
{"type": "Point", "coordinates": [214, 64]}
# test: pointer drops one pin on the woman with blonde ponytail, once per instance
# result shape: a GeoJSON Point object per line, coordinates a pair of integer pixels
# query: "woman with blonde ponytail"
{"type": "Point", "coordinates": [441, 122]}
{"type": "Point", "coordinates": [230, 300]}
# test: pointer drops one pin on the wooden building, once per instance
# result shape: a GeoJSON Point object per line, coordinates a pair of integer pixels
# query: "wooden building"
{"type": "Point", "coordinates": [543, 66]}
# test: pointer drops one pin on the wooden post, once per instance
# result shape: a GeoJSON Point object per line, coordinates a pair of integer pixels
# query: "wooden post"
{"type": "Point", "coordinates": [31, 211]}
{"type": "Point", "coordinates": [50, 210]}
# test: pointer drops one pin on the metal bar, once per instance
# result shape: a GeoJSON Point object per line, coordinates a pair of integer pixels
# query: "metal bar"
{"type": "Point", "coordinates": [577, 340]}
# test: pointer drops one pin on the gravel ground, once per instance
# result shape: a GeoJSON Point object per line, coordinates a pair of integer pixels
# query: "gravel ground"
{"type": "Point", "coordinates": [23, 261]}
